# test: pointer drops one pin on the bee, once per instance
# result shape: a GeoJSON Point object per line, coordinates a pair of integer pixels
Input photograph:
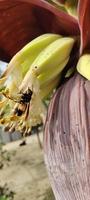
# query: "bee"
{"type": "Point", "coordinates": [24, 104]}
{"type": "Point", "coordinates": [26, 97]}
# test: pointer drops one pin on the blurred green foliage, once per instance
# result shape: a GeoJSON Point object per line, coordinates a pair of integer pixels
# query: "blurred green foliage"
{"type": "Point", "coordinates": [4, 198]}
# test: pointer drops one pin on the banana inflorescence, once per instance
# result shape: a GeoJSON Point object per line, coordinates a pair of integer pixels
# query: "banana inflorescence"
{"type": "Point", "coordinates": [30, 77]}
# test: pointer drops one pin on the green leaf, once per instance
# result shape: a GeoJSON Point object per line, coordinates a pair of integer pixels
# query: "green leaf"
{"type": "Point", "coordinates": [3, 198]}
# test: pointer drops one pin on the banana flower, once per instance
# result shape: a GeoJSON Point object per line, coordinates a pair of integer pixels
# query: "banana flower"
{"type": "Point", "coordinates": [66, 135]}
{"type": "Point", "coordinates": [31, 19]}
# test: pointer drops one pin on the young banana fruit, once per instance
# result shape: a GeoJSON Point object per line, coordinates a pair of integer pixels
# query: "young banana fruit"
{"type": "Point", "coordinates": [39, 67]}
{"type": "Point", "coordinates": [83, 66]}
{"type": "Point", "coordinates": [21, 62]}
{"type": "Point", "coordinates": [52, 59]}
